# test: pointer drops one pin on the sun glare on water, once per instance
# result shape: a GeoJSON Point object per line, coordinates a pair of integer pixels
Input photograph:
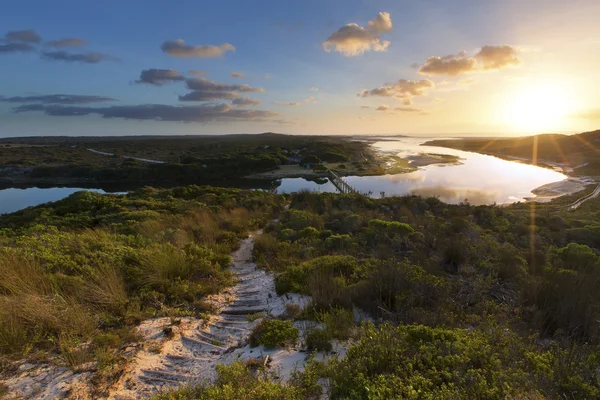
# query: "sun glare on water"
{"type": "Point", "coordinates": [540, 108]}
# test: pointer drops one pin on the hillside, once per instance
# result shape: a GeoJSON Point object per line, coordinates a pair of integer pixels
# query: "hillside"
{"type": "Point", "coordinates": [131, 296]}
{"type": "Point", "coordinates": [572, 150]}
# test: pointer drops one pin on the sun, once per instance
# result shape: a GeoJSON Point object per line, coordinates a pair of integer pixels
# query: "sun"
{"type": "Point", "coordinates": [540, 108]}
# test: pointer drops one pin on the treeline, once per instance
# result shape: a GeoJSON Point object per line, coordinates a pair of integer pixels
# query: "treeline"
{"type": "Point", "coordinates": [186, 159]}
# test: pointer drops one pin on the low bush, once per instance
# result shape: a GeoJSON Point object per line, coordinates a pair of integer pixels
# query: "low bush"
{"type": "Point", "coordinates": [338, 322]}
{"type": "Point", "coordinates": [414, 361]}
{"type": "Point", "coordinates": [238, 381]}
{"type": "Point", "coordinates": [318, 340]}
{"type": "Point", "coordinates": [274, 333]}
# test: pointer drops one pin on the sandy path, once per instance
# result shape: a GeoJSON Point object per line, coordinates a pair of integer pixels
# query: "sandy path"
{"type": "Point", "coordinates": [103, 153]}
{"type": "Point", "coordinates": [189, 351]}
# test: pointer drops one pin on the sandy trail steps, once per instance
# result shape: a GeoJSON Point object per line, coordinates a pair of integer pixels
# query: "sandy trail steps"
{"type": "Point", "coordinates": [194, 348]}
{"type": "Point", "coordinates": [187, 351]}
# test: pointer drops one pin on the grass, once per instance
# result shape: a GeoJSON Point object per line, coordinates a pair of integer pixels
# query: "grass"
{"type": "Point", "coordinates": [78, 274]}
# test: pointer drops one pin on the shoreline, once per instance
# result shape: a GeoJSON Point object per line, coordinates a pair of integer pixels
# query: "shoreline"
{"type": "Point", "coordinates": [545, 193]}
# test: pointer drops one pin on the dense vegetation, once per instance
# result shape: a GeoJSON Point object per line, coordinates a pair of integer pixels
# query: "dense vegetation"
{"type": "Point", "coordinates": [491, 302]}
{"type": "Point", "coordinates": [468, 301]}
{"type": "Point", "coordinates": [187, 159]}
{"type": "Point", "coordinates": [76, 276]}
{"type": "Point", "coordinates": [574, 150]}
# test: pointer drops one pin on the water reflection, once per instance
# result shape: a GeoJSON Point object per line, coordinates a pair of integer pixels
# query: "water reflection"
{"type": "Point", "coordinates": [479, 178]}
{"type": "Point", "coordinates": [12, 200]}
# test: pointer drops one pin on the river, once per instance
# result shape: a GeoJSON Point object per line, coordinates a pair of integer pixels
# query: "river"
{"type": "Point", "coordinates": [480, 179]}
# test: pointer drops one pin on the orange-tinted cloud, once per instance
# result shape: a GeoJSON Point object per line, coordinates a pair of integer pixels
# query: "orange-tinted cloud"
{"type": "Point", "coordinates": [403, 90]}
{"type": "Point", "coordinates": [488, 58]}
{"type": "Point", "coordinates": [353, 39]}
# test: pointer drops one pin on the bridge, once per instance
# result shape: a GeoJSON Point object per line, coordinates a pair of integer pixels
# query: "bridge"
{"type": "Point", "coordinates": [340, 183]}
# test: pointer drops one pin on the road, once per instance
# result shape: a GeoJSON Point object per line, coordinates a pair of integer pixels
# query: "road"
{"type": "Point", "coordinates": [582, 200]}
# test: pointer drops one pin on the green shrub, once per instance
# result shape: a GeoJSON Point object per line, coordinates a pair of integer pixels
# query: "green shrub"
{"type": "Point", "coordinates": [392, 227]}
{"type": "Point", "coordinates": [274, 333]}
{"type": "Point", "coordinates": [338, 322]}
{"type": "Point", "coordinates": [238, 381]}
{"type": "Point", "coordinates": [414, 361]}
{"type": "Point", "coordinates": [318, 340]}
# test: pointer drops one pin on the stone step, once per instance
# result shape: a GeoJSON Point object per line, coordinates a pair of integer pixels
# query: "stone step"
{"type": "Point", "coordinates": [209, 337]}
{"type": "Point", "coordinates": [240, 318]}
{"type": "Point", "coordinates": [234, 323]}
{"type": "Point", "coordinates": [240, 293]}
{"type": "Point", "coordinates": [200, 342]}
{"type": "Point", "coordinates": [244, 280]}
{"type": "Point", "coordinates": [248, 303]}
{"type": "Point", "coordinates": [242, 311]}
{"type": "Point", "coordinates": [167, 375]}
{"type": "Point", "coordinates": [154, 380]}
{"type": "Point", "coordinates": [175, 357]}
{"type": "Point", "coordinates": [228, 327]}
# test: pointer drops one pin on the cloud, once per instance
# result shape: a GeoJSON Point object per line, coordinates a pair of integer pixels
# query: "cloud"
{"type": "Point", "coordinates": [16, 48]}
{"type": "Point", "coordinates": [403, 90]}
{"type": "Point", "coordinates": [197, 72]}
{"type": "Point", "coordinates": [353, 39]}
{"type": "Point", "coordinates": [245, 102]}
{"type": "Point", "coordinates": [488, 58]}
{"type": "Point", "coordinates": [198, 95]}
{"type": "Point", "coordinates": [408, 109]}
{"type": "Point", "coordinates": [591, 114]}
{"type": "Point", "coordinates": [157, 112]}
{"type": "Point", "coordinates": [67, 42]}
{"type": "Point", "coordinates": [88, 58]}
{"type": "Point", "coordinates": [497, 57]}
{"type": "Point", "coordinates": [451, 65]}
{"type": "Point", "coordinates": [237, 75]}
{"type": "Point", "coordinates": [159, 76]}
{"type": "Point", "coordinates": [382, 107]}
{"type": "Point", "coordinates": [365, 106]}
{"type": "Point", "coordinates": [208, 85]}
{"type": "Point", "coordinates": [178, 48]}
{"type": "Point", "coordinates": [313, 89]}
{"type": "Point", "coordinates": [26, 36]}
{"type": "Point", "coordinates": [206, 90]}
{"type": "Point", "coordinates": [58, 99]}
{"type": "Point", "coordinates": [287, 104]}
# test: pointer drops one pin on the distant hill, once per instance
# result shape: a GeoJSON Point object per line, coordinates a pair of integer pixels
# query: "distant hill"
{"type": "Point", "coordinates": [573, 150]}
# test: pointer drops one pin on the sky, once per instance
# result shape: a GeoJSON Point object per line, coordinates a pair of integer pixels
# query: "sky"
{"type": "Point", "coordinates": [427, 67]}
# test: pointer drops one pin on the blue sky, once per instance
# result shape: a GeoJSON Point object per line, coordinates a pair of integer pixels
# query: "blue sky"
{"type": "Point", "coordinates": [279, 48]}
